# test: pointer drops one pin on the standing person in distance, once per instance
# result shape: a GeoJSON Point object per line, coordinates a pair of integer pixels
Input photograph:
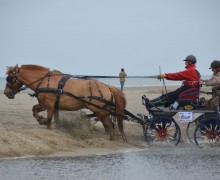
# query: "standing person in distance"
{"type": "Point", "coordinates": [122, 76]}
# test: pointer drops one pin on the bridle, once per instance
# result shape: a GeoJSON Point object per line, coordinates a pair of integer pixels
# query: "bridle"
{"type": "Point", "coordinates": [11, 81]}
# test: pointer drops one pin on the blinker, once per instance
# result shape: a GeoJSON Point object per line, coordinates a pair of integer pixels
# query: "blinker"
{"type": "Point", "coordinates": [9, 79]}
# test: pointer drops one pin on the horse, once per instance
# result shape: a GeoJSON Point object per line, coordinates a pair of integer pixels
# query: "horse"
{"type": "Point", "coordinates": [57, 91]}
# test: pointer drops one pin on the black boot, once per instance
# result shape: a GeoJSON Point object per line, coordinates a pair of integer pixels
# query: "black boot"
{"type": "Point", "coordinates": [152, 103]}
{"type": "Point", "coordinates": [156, 103]}
{"type": "Point", "coordinates": [147, 103]}
{"type": "Point", "coordinates": [156, 99]}
{"type": "Point", "coordinates": [160, 101]}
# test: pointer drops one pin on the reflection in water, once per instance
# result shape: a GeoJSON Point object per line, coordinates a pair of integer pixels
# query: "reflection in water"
{"type": "Point", "coordinates": [155, 163]}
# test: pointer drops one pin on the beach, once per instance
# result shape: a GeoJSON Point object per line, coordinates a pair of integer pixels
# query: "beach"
{"type": "Point", "coordinates": [21, 135]}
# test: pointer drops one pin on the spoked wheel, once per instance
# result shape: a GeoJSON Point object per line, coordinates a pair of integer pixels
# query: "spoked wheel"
{"type": "Point", "coordinates": [162, 130]}
{"type": "Point", "coordinates": [207, 132]}
{"type": "Point", "coordinates": [190, 129]}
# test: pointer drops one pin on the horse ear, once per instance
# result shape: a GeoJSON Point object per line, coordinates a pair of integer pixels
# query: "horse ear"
{"type": "Point", "coordinates": [7, 70]}
{"type": "Point", "coordinates": [10, 69]}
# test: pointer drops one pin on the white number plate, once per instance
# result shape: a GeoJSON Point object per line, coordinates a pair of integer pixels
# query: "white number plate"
{"type": "Point", "coordinates": [185, 116]}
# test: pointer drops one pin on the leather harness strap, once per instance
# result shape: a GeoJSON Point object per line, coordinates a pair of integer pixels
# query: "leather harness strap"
{"type": "Point", "coordinates": [60, 89]}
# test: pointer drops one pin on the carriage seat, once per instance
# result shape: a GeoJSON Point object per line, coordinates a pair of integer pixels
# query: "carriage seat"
{"type": "Point", "coordinates": [188, 99]}
{"type": "Point", "coordinates": [189, 94]}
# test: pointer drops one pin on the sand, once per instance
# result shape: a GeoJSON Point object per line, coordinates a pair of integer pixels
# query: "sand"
{"type": "Point", "coordinates": [21, 135]}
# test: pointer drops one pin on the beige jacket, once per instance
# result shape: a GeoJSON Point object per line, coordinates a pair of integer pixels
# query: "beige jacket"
{"type": "Point", "coordinates": [213, 103]}
{"type": "Point", "coordinates": [122, 76]}
{"type": "Point", "coordinates": [214, 81]}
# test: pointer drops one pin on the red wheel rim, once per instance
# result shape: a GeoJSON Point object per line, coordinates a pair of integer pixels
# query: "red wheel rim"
{"type": "Point", "coordinates": [162, 134]}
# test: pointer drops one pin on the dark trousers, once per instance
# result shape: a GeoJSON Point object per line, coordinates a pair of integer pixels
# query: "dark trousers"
{"type": "Point", "coordinates": [171, 97]}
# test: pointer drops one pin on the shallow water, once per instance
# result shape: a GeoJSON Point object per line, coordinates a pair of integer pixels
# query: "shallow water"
{"type": "Point", "coordinates": [154, 163]}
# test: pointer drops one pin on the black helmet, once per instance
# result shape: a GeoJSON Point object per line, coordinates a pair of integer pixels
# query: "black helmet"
{"type": "Point", "coordinates": [190, 58]}
{"type": "Point", "coordinates": [215, 64]}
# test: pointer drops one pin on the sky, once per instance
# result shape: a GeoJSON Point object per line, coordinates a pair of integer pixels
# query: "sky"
{"type": "Point", "coordinates": [99, 37]}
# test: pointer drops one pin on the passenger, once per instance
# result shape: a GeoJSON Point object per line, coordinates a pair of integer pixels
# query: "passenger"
{"type": "Point", "coordinates": [190, 78]}
{"type": "Point", "coordinates": [213, 103]}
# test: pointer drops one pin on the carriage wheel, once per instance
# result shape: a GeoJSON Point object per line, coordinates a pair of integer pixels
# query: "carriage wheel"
{"type": "Point", "coordinates": [190, 129]}
{"type": "Point", "coordinates": [162, 130]}
{"type": "Point", "coordinates": [207, 132]}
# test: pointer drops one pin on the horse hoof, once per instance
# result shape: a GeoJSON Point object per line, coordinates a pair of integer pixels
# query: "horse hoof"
{"type": "Point", "coordinates": [42, 121]}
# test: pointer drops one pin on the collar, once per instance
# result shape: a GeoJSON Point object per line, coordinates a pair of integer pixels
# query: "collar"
{"type": "Point", "coordinates": [190, 66]}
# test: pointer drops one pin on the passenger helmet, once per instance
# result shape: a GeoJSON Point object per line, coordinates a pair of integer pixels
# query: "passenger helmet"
{"type": "Point", "coordinates": [190, 58]}
{"type": "Point", "coordinates": [215, 64]}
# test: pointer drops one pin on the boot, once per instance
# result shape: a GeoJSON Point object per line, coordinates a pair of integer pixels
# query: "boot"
{"type": "Point", "coordinates": [160, 101]}
{"type": "Point", "coordinates": [147, 103]}
{"type": "Point", "coordinates": [156, 99]}
{"type": "Point", "coordinates": [151, 103]}
{"type": "Point", "coordinates": [157, 103]}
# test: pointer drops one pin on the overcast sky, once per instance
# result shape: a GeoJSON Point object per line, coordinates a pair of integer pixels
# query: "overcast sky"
{"type": "Point", "coordinates": [99, 37]}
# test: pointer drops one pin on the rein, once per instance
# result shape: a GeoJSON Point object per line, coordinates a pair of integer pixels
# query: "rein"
{"type": "Point", "coordinates": [40, 80]}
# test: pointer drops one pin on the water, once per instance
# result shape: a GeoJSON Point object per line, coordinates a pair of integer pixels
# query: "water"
{"type": "Point", "coordinates": [130, 82]}
{"type": "Point", "coordinates": [156, 163]}
{"type": "Point", "coordinates": [2, 82]}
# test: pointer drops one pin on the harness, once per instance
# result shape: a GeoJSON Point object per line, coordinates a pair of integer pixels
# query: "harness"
{"type": "Point", "coordinates": [59, 90]}
{"type": "Point", "coordinates": [9, 79]}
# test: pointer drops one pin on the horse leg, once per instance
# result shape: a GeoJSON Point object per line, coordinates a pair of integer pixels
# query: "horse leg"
{"type": "Point", "coordinates": [94, 121]}
{"type": "Point", "coordinates": [105, 125]}
{"type": "Point", "coordinates": [36, 109]}
{"type": "Point", "coordinates": [49, 118]}
{"type": "Point", "coordinates": [121, 129]}
{"type": "Point", "coordinates": [109, 127]}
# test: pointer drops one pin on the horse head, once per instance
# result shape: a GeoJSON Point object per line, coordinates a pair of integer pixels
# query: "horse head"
{"type": "Point", "coordinates": [13, 85]}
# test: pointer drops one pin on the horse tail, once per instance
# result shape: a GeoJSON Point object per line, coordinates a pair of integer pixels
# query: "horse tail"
{"type": "Point", "coordinates": [120, 104]}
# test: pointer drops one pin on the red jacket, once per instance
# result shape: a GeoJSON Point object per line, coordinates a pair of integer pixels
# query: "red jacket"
{"type": "Point", "coordinates": [190, 76]}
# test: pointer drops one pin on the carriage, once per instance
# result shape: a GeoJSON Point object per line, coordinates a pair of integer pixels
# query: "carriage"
{"type": "Point", "coordinates": [203, 126]}
{"type": "Point", "coordinates": [57, 91]}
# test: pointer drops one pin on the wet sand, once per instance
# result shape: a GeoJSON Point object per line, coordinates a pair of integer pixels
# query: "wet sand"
{"type": "Point", "coordinates": [21, 135]}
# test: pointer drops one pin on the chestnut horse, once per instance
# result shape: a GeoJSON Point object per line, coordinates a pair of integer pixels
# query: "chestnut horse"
{"type": "Point", "coordinates": [55, 90]}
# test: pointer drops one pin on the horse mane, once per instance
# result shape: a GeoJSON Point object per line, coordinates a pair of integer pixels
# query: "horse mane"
{"type": "Point", "coordinates": [37, 67]}
{"type": "Point", "coordinates": [10, 69]}
{"type": "Point", "coordinates": [34, 67]}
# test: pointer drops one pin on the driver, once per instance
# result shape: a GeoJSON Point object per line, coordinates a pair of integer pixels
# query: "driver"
{"type": "Point", "coordinates": [190, 78]}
